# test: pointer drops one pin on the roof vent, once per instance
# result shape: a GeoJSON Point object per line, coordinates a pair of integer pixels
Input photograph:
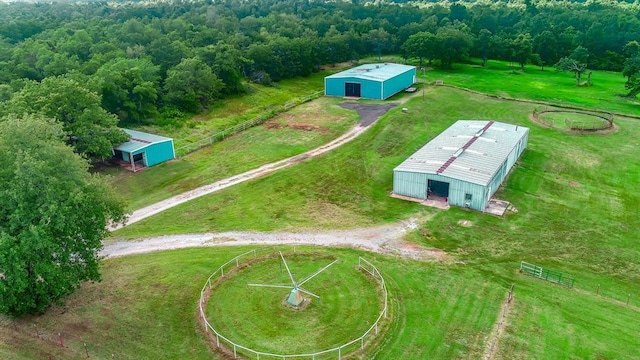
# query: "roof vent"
{"type": "Point", "coordinates": [458, 153]}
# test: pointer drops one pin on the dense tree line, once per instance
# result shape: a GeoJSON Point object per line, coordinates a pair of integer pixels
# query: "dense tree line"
{"type": "Point", "coordinates": [154, 60]}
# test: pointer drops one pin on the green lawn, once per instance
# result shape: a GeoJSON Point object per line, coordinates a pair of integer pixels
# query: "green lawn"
{"type": "Point", "coordinates": [577, 208]}
{"type": "Point", "coordinates": [256, 317]}
{"type": "Point", "coordinates": [502, 79]}
{"type": "Point", "coordinates": [576, 196]}
{"type": "Point", "coordinates": [250, 149]}
{"type": "Point", "coordinates": [145, 308]}
{"type": "Point", "coordinates": [236, 109]}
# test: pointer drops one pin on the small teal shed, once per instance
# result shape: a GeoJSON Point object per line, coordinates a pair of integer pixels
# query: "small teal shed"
{"type": "Point", "coordinates": [370, 81]}
{"type": "Point", "coordinates": [144, 149]}
{"type": "Point", "coordinates": [464, 165]}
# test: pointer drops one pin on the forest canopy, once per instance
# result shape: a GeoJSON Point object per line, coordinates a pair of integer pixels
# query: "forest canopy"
{"type": "Point", "coordinates": [148, 60]}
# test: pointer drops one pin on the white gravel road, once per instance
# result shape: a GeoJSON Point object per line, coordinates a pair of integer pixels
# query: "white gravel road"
{"type": "Point", "coordinates": [386, 239]}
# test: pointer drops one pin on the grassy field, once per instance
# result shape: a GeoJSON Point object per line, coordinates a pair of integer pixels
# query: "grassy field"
{"type": "Point", "coordinates": [577, 208]}
{"type": "Point", "coordinates": [257, 318]}
{"type": "Point", "coordinates": [281, 137]}
{"type": "Point", "coordinates": [502, 79]}
{"type": "Point", "coordinates": [236, 109]}
{"type": "Point", "coordinates": [145, 308]}
{"type": "Point", "coordinates": [576, 197]}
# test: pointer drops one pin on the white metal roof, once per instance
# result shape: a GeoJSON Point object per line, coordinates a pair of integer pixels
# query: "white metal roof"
{"type": "Point", "coordinates": [469, 150]}
{"type": "Point", "coordinates": [139, 140]}
{"type": "Point", "coordinates": [375, 72]}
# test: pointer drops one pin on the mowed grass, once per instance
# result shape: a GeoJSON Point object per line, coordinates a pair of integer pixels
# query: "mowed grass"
{"type": "Point", "coordinates": [502, 79]}
{"type": "Point", "coordinates": [257, 317]}
{"type": "Point", "coordinates": [566, 120]}
{"type": "Point", "coordinates": [146, 308]}
{"type": "Point", "coordinates": [250, 149]}
{"type": "Point", "coordinates": [233, 110]}
{"type": "Point", "coordinates": [576, 196]}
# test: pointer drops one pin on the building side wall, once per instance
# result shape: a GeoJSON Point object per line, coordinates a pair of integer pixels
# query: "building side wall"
{"type": "Point", "coordinates": [157, 153]}
{"type": "Point", "coordinates": [415, 185]}
{"type": "Point", "coordinates": [506, 166]}
{"type": "Point", "coordinates": [369, 89]}
{"type": "Point", "coordinates": [410, 184]}
{"type": "Point", "coordinates": [398, 83]}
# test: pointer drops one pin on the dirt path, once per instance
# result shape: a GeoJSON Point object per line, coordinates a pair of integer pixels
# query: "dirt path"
{"type": "Point", "coordinates": [386, 239]}
{"type": "Point", "coordinates": [369, 113]}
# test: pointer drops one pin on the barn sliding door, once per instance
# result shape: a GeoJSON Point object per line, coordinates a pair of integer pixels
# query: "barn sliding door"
{"type": "Point", "coordinates": [352, 89]}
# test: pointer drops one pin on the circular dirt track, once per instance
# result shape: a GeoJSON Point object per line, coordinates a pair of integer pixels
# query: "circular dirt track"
{"type": "Point", "coordinates": [574, 120]}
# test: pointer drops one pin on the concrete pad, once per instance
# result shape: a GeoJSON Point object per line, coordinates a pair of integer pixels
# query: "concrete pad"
{"type": "Point", "coordinates": [497, 207]}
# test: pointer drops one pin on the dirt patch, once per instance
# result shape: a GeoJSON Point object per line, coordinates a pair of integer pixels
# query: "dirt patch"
{"type": "Point", "coordinates": [274, 125]}
{"type": "Point", "coordinates": [465, 223]}
{"type": "Point", "coordinates": [573, 183]}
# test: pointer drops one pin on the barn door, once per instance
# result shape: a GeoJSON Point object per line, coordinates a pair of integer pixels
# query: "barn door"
{"type": "Point", "coordinates": [352, 89]}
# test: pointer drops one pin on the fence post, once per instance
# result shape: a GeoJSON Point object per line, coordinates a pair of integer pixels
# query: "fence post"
{"type": "Point", "coordinates": [217, 340]}
{"type": "Point", "coordinates": [235, 352]}
{"type": "Point", "coordinates": [222, 269]}
{"type": "Point", "coordinates": [237, 264]}
{"type": "Point", "coordinates": [598, 290]}
{"type": "Point", "coordinates": [628, 298]}
{"type": "Point", "coordinates": [339, 353]}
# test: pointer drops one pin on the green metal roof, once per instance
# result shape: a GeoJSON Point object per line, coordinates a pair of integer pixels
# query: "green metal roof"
{"type": "Point", "coordinates": [469, 150]}
{"type": "Point", "coordinates": [139, 140]}
{"type": "Point", "coordinates": [375, 72]}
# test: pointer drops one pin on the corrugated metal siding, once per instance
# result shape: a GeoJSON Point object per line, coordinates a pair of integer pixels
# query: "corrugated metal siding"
{"type": "Point", "coordinates": [369, 89]}
{"type": "Point", "coordinates": [157, 153]}
{"type": "Point", "coordinates": [410, 184]}
{"type": "Point", "coordinates": [415, 185]}
{"type": "Point", "coordinates": [398, 83]}
{"type": "Point", "coordinates": [478, 171]}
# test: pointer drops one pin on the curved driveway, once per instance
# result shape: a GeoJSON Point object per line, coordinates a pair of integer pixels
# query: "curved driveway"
{"type": "Point", "coordinates": [369, 113]}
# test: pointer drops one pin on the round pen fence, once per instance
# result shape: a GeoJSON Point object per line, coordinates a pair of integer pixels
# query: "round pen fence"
{"type": "Point", "coordinates": [222, 342]}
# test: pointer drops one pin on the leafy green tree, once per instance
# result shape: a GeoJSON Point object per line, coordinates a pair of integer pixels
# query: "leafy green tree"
{"type": "Point", "coordinates": [130, 88]}
{"type": "Point", "coordinates": [53, 216]}
{"type": "Point", "coordinates": [90, 129]}
{"type": "Point", "coordinates": [521, 49]}
{"type": "Point", "coordinates": [575, 63]}
{"type": "Point", "coordinates": [380, 41]}
{"type": "Point", "coordinates": [454, 44]}
{"type": "Point", "coordinates": [546, 46]}
{"type": "Point", "coordinates": [484, 45]}
{"type": "Point", "coordinates": [227, 62]}
{"type": "Point", "coordinates": [421, 45]}
{"type": "Point", "coordinates": [191, 85]}
{"type": "Point", "coordinates": [632, 68]}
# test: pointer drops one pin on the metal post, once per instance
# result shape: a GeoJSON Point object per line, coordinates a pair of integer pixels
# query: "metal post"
{"type": "Point", "coordinates": [217, 340]}
{"type": "Point", "coordinates": [237, 264]}
{"type": "Point", "coordinates": [339, 353]}
{"type": "Point", "coordinates": [376, 328]}
{"type": "Point", "coordinates": [424, 82]}
{"type": "Point", "coordinates": [628, 298]}
{"type": "Point", "coordinates": [598, 290]}
{"type": "Point", "coordinates": [362, 343]}
{"type": "Point", "coordinates": [222, 269]}
{"type": "Point", "coordinates": [235, 353]}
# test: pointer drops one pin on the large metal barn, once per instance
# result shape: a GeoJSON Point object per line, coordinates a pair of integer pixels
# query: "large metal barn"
{"type": "Point", "coordinates": [370, 81]}
{"type": "Point", "coordinates": [464, 165]}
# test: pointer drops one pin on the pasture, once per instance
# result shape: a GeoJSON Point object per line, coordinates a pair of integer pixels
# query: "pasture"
{"type": "Point", "coordinates": [577, 209]}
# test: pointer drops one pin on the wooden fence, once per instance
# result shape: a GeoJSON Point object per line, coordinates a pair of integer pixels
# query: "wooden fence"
{"type": "Point", "coordinates": [221, 135]}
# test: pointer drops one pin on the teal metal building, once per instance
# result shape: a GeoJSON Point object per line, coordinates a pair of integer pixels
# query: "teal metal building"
{"type": "Point", "coordinates": [144, 149]}
{"type": "Point", "coordinates": [370, 81]}
{"type": "Point", "coordinates": [464, 165]}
